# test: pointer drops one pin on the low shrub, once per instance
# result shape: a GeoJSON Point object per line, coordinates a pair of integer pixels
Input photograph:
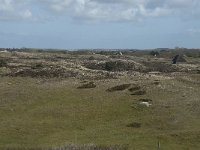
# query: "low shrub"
{"type": "Point", "coordinates": [3, 63]}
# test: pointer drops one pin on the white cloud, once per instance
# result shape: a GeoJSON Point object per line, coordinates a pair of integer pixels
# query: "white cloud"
{"type": "Point", "coordinates": [14, 10]}
{"type": "Point", "coordinates": [123, 10]}
{"type": "Point", "coordinates": [101, 10]}
{"type": "Point", "coordinates": [193, 31]}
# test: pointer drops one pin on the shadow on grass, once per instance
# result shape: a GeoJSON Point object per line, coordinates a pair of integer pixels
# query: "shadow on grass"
{"type": "Point", "coordinates": [118, 88]}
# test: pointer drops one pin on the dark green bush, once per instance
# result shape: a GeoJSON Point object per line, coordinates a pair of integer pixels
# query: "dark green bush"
{"type": "Point", "coordinates": [3, 63]}
{"type": "Point", "coordinates": [153, 53]}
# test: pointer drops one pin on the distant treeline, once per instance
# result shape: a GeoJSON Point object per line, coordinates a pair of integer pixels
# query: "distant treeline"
{"type": "Point", "coordinates": [158, 52]}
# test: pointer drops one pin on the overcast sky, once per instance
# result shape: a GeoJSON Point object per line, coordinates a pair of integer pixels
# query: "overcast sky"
{"type": "Point", "coordinates": [73, 24]}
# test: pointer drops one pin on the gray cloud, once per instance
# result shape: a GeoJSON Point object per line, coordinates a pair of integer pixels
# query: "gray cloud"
{"type": "Point", "coordinates": [100, 10]}
{"type": "Point", "coordinates": [14, 10]}
{"type": "Point", "coordinates": [124, 10]}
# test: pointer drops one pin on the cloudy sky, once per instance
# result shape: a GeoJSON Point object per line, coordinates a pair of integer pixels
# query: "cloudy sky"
{"type": "Point", "coordinates": [73, 24]}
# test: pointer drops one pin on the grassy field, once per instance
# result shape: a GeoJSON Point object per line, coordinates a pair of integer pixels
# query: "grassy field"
{"type": "Point", "coordinates": [53, 112]}
{"type": "Point", "coordinates": [136, 100]}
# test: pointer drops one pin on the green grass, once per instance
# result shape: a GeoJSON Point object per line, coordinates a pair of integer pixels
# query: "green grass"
{"type": "Point", "coordinates": [37, 113]}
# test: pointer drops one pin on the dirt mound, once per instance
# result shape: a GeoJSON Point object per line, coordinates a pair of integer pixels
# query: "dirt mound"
{"type": "Point", "coordinates": [139, 92]}
{"type": "Point", "coordinates": [114, 65]}
{"type": "Point", "coordinates": [160, 67]}
{"type": "Point", "coordinates": [54, 71]}
{"type": "Point", "coordinates": [134, 125]}
{"type": "Point", "coordinates": [43, 72]}
{"type": "Point", "coordinates": [87, 86]}
{"type": "Point", "coordinates": [134, 88]}
{"type": "Point", "coordinates": [119, 88]}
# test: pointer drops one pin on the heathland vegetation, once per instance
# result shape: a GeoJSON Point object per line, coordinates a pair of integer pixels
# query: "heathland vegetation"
{"type": "Point", "coordinates": [99, 100]}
